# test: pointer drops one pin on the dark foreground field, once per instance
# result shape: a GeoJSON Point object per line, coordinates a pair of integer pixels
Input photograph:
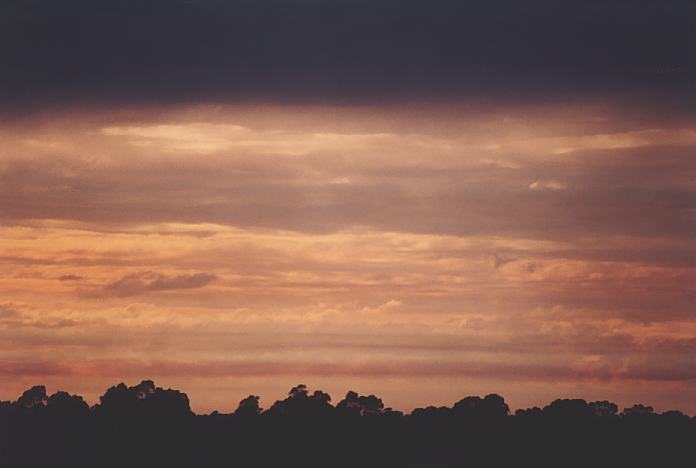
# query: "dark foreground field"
{"type": "Point", "coordinates": [145, 426]}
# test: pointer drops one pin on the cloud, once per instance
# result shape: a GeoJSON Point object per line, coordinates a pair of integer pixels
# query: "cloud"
{"type": "Point", "coordinates": [141, 283]}
{"type": "Point", "coordinates": [18, 369]}
{"type": "Point", "coordinates": [8, 312]}
{"type": "Point", "coordinates": [500, 260]}
{"type": "Point", "coordinates": [494, 280]}
{"type": "Point", "coordinates": [116, 368]}
{"type": "Point", "coordinates": [553, 185]}
{"type": "Point", "coordinates": [70, 278]}
{"type": "Point", "coordinates": [212, 51]}
{"type": "Point", "coordinates": [619, 140]}
{"type": "Point", "coordinates": [293, 178]}
{"type": "Point", "coordinates": [198, 138]}
{"type": "Point", "coordinates": [17, 316]}
{"type": "Point", "coordinates": [391, 304]}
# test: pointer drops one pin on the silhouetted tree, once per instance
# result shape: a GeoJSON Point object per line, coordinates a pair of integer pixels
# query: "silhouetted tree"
{"type": "Point", "coordinates": [249, 406]}
{"type": "Point", "coordinates": [34, 399]}
{"type": "Point", "coordinates": [361, 405]}
{"type": "Point", "coordinates": [145, 425]}
{"type": "Point", "coordinates": [638, 411]}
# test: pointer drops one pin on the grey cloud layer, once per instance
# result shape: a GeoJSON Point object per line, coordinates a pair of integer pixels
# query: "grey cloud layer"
{"type": "Point", "coordinates": [345, 50]}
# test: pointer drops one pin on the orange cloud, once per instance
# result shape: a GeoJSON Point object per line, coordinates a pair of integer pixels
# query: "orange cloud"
{"type": "Point", "coordinates": [261, 243]}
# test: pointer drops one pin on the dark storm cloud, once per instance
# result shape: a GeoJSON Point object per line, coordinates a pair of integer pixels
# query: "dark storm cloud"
{"type": "Point", "coordinates": [165, 50]}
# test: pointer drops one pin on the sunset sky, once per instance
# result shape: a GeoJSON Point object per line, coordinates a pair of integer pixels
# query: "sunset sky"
{"type": "Point", "coordinates": [420, 200]}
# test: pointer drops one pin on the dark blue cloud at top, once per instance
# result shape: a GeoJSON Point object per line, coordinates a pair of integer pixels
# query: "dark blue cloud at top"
{"type": "Point", "coordinates": [346, 50]}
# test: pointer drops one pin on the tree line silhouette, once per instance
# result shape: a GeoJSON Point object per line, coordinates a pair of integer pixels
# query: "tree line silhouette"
{"type": "Point", "coordinates": [145, 425]}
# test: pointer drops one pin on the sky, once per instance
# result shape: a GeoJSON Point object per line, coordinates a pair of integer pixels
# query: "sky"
{"type": "Point", "coordinates": [420, 200]}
